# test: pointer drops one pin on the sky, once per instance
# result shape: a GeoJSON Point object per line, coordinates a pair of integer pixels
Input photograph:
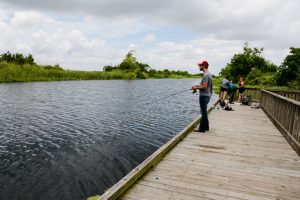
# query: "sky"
{"type": "Point", "coordinates": [169, 34]}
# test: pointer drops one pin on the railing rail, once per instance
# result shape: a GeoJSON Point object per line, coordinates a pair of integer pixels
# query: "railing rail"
{"type": "Point", "coordinates": [285, 114]}
{"type": "Point", "coordinates": [292, 94]}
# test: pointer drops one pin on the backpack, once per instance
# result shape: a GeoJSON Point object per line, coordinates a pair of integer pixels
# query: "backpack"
{"type": "Point", "coordinates": [222, 103]}
{"type": "Point", "coordinates": [228, 108]}
{"type": "Point", "coordinates": [245, 101]}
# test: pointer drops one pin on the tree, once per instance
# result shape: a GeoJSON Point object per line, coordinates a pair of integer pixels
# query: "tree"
{"type": "Point", "coordinates": [8, 57]}
{"type": "Point", "coordinates": [19, 58]}
{"type": "Point", "coordinates": [57, 67]}
{"type": "Point", "coordinates": [243, 63]}
{"type": "Point", "coordinates": [108, 68]}
{"type": "Point", "coordinates": [152, 72]}
{"type": "Point", "coordinates": [289, 71]}
{"type": "Point", "coordinates": [225, 72]}
{"type": "Point", "coordinates": [129, 63]}
{"type": "Point", "coordinates": [29, 60]}
{"type": "Point", "coordinates": [166, 73]}
{"type": "Point", "coordinates": [143, 67]}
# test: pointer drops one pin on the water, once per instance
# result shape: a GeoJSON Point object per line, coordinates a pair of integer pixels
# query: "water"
{"type": "Point", "coordinates": [71, 140]}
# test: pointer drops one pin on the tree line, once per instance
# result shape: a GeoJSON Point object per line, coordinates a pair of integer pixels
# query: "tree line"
{"type": "Point", "coordinates": [22, 60]}
{"type": "Point", "coordinates": [17, 58]}
{"type": "Point", "coordinates": [258, 71]}
{"type": "Point", "coordinates": [19, 68]}
{"type": "Point", "coordinates": [141, 70]}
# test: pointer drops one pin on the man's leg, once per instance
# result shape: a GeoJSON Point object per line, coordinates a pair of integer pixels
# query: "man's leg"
{"type": "Point", "coordinates": [233, 94]}
{"type": "Point", "coordinates": [204, 123]}
{"type": "Point", "coordinates": [221, 93]}
{"type": "Point", "coordinates": [207, 122]}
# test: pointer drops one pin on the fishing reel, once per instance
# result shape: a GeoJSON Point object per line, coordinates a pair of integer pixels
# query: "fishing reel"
{"type": "Point", "coordinates": [194, 91]}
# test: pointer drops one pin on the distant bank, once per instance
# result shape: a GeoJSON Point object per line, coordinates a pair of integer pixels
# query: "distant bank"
{"type": "Point", "coordinates": [20, 68]}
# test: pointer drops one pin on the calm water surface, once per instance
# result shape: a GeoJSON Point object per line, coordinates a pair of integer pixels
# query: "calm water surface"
{"type": "Point", "coordinates": [71, 140]}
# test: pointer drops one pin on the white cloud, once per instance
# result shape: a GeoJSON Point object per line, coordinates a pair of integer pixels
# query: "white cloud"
{"type": "Point", "coordinates": [29, 19]}
{"type": "Point", "coordinates": [185, 56]}
{"type": "Point", "coordinates": [87, 34]}
{"type": "Point", "coordinates": [52, 43]}
{"type": "Point", "coordinates": [149, 38]}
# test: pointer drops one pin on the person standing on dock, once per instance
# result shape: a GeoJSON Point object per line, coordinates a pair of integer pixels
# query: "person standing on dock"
{"type": "Point", "coordinates": [205, 88]}
{"type": "Point", "coordinates": [224, 88]}
{"type": "Point", "coordinates": [241, 89]}
{"type": "Point", "coordinates": [231, 92]}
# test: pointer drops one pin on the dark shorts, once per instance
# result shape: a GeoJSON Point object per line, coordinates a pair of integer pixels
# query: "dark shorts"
{"type": "Point", "coordinates": [241, 90]}
{"type": "Point", "coordinates": [223, 89]}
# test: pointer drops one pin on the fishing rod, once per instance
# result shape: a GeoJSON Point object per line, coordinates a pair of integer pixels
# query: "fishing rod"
{"type": "Point", "coordinates": [173, 94]}
{"type": "Point", "coordinates": [182, 91]}
{"type": "Point", "coordinates": [163, 98]}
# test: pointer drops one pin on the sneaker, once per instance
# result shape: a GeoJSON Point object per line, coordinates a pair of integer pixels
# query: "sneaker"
{"type": "Point", "coordinates": [199, 130]}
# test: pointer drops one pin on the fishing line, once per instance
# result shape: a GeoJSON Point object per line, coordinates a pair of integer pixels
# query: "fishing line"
{"type": "Point", "coordinates": [168, 96]}
{"type": "Point", "coordinates": [144, 106]}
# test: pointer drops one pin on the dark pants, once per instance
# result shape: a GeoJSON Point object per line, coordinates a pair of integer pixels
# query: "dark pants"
{"type": "Point", "coordinates": [204, 124]}
{"type": "Point", "coordinates": [231, 95]}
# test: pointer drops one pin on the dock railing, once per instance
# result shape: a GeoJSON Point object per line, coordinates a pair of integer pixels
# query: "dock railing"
{"type": "Point", "coordinates": [254, 94]}
{"type": "Point", "coordinates": [284, 113]}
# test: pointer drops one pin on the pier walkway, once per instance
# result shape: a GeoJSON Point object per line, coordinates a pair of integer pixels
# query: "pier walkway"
{"type": "Point", "coordinates": [243, 156]}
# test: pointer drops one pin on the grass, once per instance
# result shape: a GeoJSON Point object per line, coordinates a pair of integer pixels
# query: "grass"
{"type": "Point", "coordinates": [11, 72]}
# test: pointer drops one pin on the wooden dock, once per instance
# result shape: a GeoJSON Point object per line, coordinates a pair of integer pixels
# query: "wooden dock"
{"type": "Point", "coordinates": [243, 156]}
{"type": "Point", "coordinates": [248, 153]}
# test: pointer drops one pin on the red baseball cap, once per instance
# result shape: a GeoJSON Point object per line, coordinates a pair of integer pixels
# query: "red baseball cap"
{"type": "Point", "coordinates": [205, 63]}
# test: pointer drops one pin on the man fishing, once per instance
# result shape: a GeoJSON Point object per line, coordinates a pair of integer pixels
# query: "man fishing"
{"type": "Point", "coordinates": [205, 88]}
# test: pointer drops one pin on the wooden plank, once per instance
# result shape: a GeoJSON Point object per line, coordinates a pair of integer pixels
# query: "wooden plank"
{"type": "Point", "coordinates": [202, 173]}
{"type": "Point", "coordinates": [223, 158]}
{"type": "Point", "coordinates": [220, 185]}
{"type": "Point", "coordinates": [199, 192]}
{"type": "Point", "coordinates": [151, 191]}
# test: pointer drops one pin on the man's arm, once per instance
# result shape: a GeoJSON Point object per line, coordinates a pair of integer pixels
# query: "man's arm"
{"type": "Point", "coordinates": [204, 85]}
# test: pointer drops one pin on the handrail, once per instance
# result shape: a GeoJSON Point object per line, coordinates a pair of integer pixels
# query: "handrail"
{"type": "Point", "coordinates": [123, 185]}
{"type": "Point", "coordinates": [292, 94]}
{"type": "Point", "coordinates": [287, 91]}
{"type": "Point", "coordinates": [285, 114]}
{"type": "Point", "coordinates": [281, 97]}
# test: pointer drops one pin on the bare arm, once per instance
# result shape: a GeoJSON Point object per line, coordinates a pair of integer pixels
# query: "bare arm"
{"type": "Point", "coordinates": [242, 83]}
{"type": "Point", "coordinates": [200, 86]}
